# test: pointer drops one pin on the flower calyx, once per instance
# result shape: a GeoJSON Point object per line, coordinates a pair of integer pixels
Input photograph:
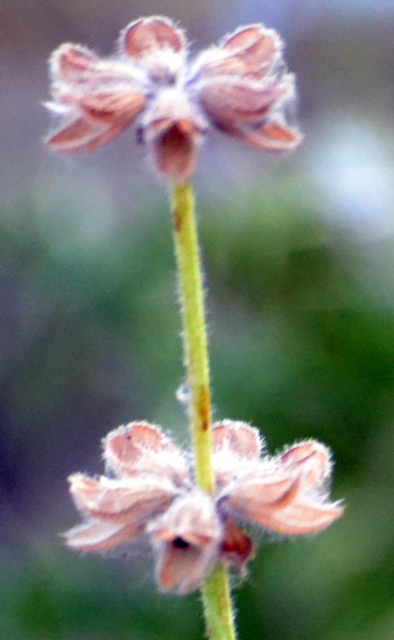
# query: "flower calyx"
{"type": "Point", "coordinates": [149, 491]}
{"type": "Point", "coordinates": [240, 86]}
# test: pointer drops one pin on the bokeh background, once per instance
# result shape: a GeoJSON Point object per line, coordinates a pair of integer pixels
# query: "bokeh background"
{"type": "Point", "coordinates": [299, 261]}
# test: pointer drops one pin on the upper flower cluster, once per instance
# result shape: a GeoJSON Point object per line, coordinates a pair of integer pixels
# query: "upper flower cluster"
{"type": "Point", "coordinates": [240, 86]}
{"type": "Point", "coordinates": [149, 490]}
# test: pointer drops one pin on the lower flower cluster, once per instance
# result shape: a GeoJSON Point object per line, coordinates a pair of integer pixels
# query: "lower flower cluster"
{"type": "Point", "coordinates": [149, 491]}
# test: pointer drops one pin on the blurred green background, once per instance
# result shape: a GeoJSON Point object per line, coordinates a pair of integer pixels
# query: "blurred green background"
{"type": "Point", "coordinates": [299, 262]}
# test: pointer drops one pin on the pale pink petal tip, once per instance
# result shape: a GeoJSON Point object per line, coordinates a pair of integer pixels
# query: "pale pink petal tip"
{"type": "Point", "coordinates": [153, 34]}
{"type": "Point", "coordinates": [96, 535]}
{"type": "Point", "coordinates": [140, 447]}
{"type": "Point", "coordinates": [238, 437]}
{"type": "Point", "coordinates": [301, 518]}
{"type": "Point", "coordinates": [69, 61]}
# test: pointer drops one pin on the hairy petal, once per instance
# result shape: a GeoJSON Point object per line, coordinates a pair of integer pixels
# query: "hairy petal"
{"type": "Point", "coordinates": [97, 535]}
{"type": "Point", "coordinates": [80, 133]}
{"type": "Point", "coordinates": [140, 447]}
{"type": "Point", "coordinates": [243, 86]}
{"type": "Point", "coordinates": [72, 62]}
{"type": "Point", "coordinates": [238, 438]}
{"type": "Point", "coordinates": [311, 461]}
{"type": "Point", "coordinates": [77, 72]}
{"type": "Point", "coordinates": [271, 135]}
{"type": "Point", "coordinates": [254, 45]}
{"type": "Point", "coordinates": [227, 103]}
{"type": "Point", "coordinates": [186, 539]}
{"type": "Point", "coordinates": [88, 121]}
{"type": "Point", "coordinates": [239, 101]}
{"type": "Point", "coordinates": [247, 495]}
{"type": "Point", "coordinates": [95, 99]}
{"type": "Point", "coordinates": [236, 449]}
{"type": "Point", "coordinates": [173, 150]}
{"type": "Point", "coordinates": [148, 35]}
{"type": "Point", "coordinates": [116, 107]}
{"type": "Point", "coordinates": [123, 501]}
{"type": "Point", "coordinates": [251, 51]}
{"type": "Point", "coordinates": [192, 516]}
{"type": "Point", "coordinates": [181, 567]}
{"type": "Point", "coordinates": [286, 493]}
{"type": "Point", "coordinates": [300, 517]}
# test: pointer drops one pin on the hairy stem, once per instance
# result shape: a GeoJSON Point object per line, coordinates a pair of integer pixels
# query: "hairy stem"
{"type": "Point", "coordinates": [215, 590]}
{"type": "Point", "coordinates": [194, 332]}
{"type": "Point", "coordinates": [218, 609]}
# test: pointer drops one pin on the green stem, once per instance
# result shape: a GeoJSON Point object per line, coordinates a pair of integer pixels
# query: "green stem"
{"type": "Point", "coordinates": [215, 590]}
{"type": "Point", "coordinates": [218, 608]}
{"type": "Point", "coordinates": [194, 332]}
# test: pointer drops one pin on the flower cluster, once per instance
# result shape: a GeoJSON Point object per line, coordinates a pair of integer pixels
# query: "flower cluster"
{"type": "Point", "coordinates": [149, 491]}
{"type": "Point", "coordinates": [240, 86]}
